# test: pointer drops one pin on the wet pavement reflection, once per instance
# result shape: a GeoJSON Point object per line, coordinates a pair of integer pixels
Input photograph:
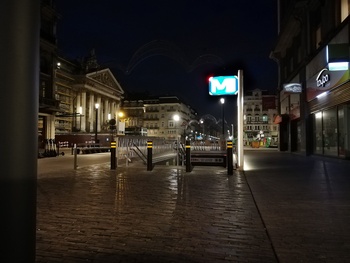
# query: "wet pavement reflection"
{"type": "Point", "coordinates": [95, 214]}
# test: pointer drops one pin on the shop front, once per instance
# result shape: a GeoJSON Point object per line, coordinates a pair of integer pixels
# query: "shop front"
{"type": "Point", "coordinates": [328, 98]}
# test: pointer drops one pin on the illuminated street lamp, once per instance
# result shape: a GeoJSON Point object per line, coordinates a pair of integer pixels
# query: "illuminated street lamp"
{"type": "Point", "coordinates": [222, 101]}
{"type": "Point", "coordinates": [120, 125]}
{"type": "Point", "coordinates": [96, 110]}
{"type": "Point", "coordinates": [176, 119]}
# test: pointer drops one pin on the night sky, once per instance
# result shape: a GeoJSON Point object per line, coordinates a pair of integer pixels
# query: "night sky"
{"type": "Point", "coordinates": [171, 47]}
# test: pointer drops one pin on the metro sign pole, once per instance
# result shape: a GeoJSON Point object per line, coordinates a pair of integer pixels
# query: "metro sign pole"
{"type": "Point", "coordinates": [240, 103]}
{"type": "Point", "coordinates": [232, 85]}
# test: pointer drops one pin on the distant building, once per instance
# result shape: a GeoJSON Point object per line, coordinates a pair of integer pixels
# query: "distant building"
{"type": "Point", "coordinates": [259, 112]}
{"type": "Point", "coordinates": [156, 116]}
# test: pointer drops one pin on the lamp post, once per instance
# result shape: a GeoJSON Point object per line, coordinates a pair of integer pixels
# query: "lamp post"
{"type": "Point", "coordinates": [96, 110]}
{"type": "Point", "coordinates": [176, 119]}
{"type": "Point", "coordinates": [233, 135]}
{"type": "Point", "coordinates": [119, 119]}
{"type": "Point", "coordinates": [222, 101]}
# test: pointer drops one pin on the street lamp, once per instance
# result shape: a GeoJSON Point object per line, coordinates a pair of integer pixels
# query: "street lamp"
{"type": "Point", "coordinates": [233, 135]}
{"type": "Point", "coordinates": [96, 110]}
{"type": "Point", "coordinates": [222, 100]}
{"type": "Point", "coordinates": [176, 119]}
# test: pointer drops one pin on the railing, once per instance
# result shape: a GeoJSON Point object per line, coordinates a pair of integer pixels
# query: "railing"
{"type": "Point", "coordinates": [139, 153]}
{"type": "Point", "coordinates": [136, 147]}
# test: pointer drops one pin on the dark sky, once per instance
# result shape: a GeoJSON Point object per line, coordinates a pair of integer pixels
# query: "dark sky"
{"type": "Point", "coordinates": [171, 47]}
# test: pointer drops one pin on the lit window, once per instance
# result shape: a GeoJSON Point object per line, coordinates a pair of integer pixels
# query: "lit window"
{"type": "Point", "coordinates": [344, 9]}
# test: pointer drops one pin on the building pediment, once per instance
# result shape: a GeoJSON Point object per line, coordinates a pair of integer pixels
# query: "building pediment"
{"type": "Point", "coordinates": [105, 78]}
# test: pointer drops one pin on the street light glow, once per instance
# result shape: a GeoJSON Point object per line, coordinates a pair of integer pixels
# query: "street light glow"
{"type": "Point", "coordinates": [97, 106]}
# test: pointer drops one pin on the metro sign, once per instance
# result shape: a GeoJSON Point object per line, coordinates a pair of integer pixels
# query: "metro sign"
{"type": "Point", "coordinates": [223, 85]}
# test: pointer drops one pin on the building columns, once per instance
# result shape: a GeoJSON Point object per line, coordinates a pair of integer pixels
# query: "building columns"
{"type": "Point", "coordinates": [83, 112]}
{"type": "Point", "coordinates": [99, 113]}
{"type": "Point", "coordinates": [91, 118]}
{"type": "Point", "coordinates": [106, 111]}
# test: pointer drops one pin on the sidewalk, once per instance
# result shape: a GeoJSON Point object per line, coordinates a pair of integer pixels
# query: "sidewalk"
{"type": "Point", "coordinates": [305, 204]}
{"type": "Point", "coordinates": [283, 208]}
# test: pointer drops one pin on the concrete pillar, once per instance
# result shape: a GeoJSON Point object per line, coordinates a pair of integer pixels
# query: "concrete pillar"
{"type": "Point", "coordinates": [113, 110]}
{"type": "Point", "coordinates": [106, 110]}
{"type": "Point", "coordinates": [19, 83]}
{"type": "Point", "coordinates": [91, 112]}
{"type": "Point", "coordinates": [50, 127]}
{"type": "Point", "coordinates": [83, 108]}
{"type": "Point", "coordinates": [77, 117]}
{"type": "Point", "coordinates": [100, 111]}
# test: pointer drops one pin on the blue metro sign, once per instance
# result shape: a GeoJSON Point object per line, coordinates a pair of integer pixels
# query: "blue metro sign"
{"type": "Point", "coordinates": [223, 85]}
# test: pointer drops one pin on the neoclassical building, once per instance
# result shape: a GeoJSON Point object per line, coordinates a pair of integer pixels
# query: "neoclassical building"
{"type": "Point", "coordinates": [69, 90]}
{"type": "Point", "coordinates": [96, 92]}
{"type": "Point", "coordinates": [86, 99]}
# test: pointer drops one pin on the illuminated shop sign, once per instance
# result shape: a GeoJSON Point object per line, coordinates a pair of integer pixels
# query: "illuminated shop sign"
{"type": "Point", "coordinates": [334, 71]}
{"type": "Point", "coordinates": [337, 56]}
{"type": "Point", "coordinates": [335, 66]}
{"type": "Point", "coordinates": [292, 88]}
{"type": "Point", "coordinates": [323, 79]}
{"type": "Point", "coordinates": [223, 85]}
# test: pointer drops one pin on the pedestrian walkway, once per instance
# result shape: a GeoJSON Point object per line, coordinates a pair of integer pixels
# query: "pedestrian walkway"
{"type": "Point", "coordinates": [282, 208]}
{"type": "Point", "coordinates": [304, 203]}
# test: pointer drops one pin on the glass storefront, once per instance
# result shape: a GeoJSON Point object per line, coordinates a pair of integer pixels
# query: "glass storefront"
{"type": "Point", "coordinates": [331, 129]}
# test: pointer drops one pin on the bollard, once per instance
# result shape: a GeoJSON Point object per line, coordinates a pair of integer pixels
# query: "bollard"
{"type": "Point", "coordinates": [188, 156]}
{"type": "Point", "coordinates": [229, 158]}
{"type": "Point", "coordinates": [149, 155]}
{"type": "Point", "coordinates": [75, 156]}
{"type": "Point", "coordinates": [113, 153]}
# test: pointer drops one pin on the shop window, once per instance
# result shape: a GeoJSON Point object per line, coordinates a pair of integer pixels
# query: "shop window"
{"type": "Point", "coordinates": [344, 130]}
{"type": "Point", "coordinates": [318, 137]}
{"type": "Point", "coordinates": [330, 132]}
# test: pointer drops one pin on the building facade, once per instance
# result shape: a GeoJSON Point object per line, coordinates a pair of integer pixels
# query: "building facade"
{"type": "Point", "coordinates": [259, 111]}
{"type": "Point", "coordinates": [75, 97]}
{"type": "Point", "coordinates": [312, 53]}
{"type": "Point", "coordinates": [157, 117]}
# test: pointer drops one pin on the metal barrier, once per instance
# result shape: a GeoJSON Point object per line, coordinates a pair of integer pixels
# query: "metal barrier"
{"type": "Point", "coordinates": [132, 147]}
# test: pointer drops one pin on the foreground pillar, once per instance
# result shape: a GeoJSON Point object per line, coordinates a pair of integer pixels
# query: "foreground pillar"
{"type": "Point", "coordinates": [19, 82]}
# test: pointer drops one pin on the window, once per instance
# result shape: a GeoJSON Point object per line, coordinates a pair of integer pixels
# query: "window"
{"type": "Point", "coordinates": [330, 132]}
{"type": "Point", "coordinates": [264, 118]}
{"type": "Point", "coordinates": [344, 9]}
{"type": "Point", "coordinates": [318, 37]}
{"type": "Point", "coordinates": [249, 118]}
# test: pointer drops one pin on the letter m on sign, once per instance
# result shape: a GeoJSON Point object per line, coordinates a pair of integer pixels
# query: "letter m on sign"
{"type": "Point", "coordinates": [223, 85]}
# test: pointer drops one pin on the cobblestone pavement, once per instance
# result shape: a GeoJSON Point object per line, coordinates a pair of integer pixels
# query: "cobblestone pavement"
{"type": "Point", "coordinates": [283, 208]}
{"type": "Point", "coordinates": [95, 214]}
